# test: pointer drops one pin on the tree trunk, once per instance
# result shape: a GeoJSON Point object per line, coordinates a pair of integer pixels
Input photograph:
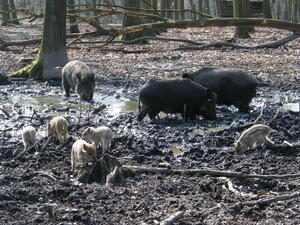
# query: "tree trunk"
{"type": "Point", "coordinates": [294, 14]}
{"type": "Point", "coordinates": [267, 9]}
{"type": "Point", "coordinates": [14, 15]}
{"type": "Point", "coordinates": [240, 32]}
{"type": "Point", "coordinates": [74, 27]}
{"type": "Point", "coordinates": [53, 51]}
{"type": "Point", "coordinates": [5, 17]}
{"type": "Point", "coordinates": [247, 13]}
{"type": "Point", "coordinates": [181, 2]}
{"type": "Point", "coordinates": [131, 21]}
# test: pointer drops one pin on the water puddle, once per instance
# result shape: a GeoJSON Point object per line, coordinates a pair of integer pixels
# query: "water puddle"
{"type": "Point", "coordinates": [176, 149]}
{"type": "Point", "coordinates": [114, 102]}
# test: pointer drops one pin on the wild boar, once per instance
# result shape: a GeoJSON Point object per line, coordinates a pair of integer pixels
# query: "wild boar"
{"type": "Point", "coordinates": [176, 96]}
{"type": "Point", "coordinates": [58, 127]}
{"type": "Point", "coordinates": [252, 137]}
{"type": "Point", "coordinates": [233, 86]}
{"type": "Point", "coordinates": [76, 75]}
{"type": "Point", "coordinates": [28, 137]}
{"type": "Point", "coordinates": [82, 151]}
{"type": "Point", "coordinates": [100, 136]}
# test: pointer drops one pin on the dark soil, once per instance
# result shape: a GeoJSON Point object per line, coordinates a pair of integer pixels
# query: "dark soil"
{"type": "Point", "coordinates": [37, 187]}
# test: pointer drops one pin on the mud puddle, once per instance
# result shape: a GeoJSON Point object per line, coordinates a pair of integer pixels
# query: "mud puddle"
{"type": "Point", "coordinates": [112, 103]}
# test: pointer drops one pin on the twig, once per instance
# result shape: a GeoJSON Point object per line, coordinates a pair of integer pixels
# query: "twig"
{"type": "Point", "coordinates": [46, 174]}
{"type": "Point", "coordinates": [45, 143]}
{"type": "Point", "coordinates": [266, 201]}
{"type": "Point", "coordinates": [260, 115]}
{"type": "Point", "coordinates": [172, 219]}
{"type": "Point", "coordinates": [27, 150]}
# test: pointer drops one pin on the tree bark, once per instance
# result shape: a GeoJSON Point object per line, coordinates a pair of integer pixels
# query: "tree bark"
{"type": "Point", "coordinates": [131, 21]}
{"type": "Point", "coordinates": [294, 13]}
{"type": "Point", "coordinates": [238, 12]}
{"type": "Point", "coordinates": [53, 51]}
{"type": "Point", "coordinates": [267, 9]}
{"type": "Point", "coordinates": [74, 27]}
{"type": "Point", "coordinates": [6, 16]}
{"type": "Point", "coordinates": [14, 15]}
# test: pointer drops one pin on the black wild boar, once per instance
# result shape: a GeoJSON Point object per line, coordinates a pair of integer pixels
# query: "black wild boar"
{"type": "Point", "coordinates": [176, 96]}
{"type": "Point", "coordinates": [76, 75]}
{"type": "Point", "coordinates": [233, 86]}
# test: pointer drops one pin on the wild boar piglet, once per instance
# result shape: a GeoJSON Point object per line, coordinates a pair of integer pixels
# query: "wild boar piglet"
{"type": "Point", "coordinates": [252, 137]}
{"type": "Point", "coordinates": [100, 136]}
{"type": "Point", "coordinates": [28, 137]}
{"type": "Point", "coordinates": [58, 127]}
{"type": "Point", "coordinates": [82, 151]}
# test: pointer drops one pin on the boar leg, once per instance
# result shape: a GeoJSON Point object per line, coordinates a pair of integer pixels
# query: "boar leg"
{"type": "Point", "coordinates": [143, 112]}
{"type": "Point", "coordinates": [67, 87]}
{"type": "Point", "coordinates": [152, 113]}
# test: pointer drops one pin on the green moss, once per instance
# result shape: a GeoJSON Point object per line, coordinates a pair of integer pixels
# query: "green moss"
{"type": "Point", "coordinates": [34, 71]}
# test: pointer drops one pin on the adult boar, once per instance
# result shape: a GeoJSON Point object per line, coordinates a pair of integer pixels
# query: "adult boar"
{"type": "Point", "coordinates": [76, 75]}
{"type": "Point", "coordinates": [233, 86]}
{"type": "Point", "coordinates": [176, 96]}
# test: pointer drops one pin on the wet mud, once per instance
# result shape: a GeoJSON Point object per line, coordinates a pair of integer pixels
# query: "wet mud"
{"type": "Point", "coordinates": [37, 187]}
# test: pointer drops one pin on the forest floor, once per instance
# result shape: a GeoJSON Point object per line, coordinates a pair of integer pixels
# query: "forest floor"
{"type": "Point", "coordinates": [37, 187]}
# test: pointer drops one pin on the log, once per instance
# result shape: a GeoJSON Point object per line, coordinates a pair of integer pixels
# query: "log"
{"type": "Point", "coordinates": [198, 172]}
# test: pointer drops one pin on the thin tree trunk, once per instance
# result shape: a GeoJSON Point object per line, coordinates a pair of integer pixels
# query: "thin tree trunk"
{"type": "Point", "coordinates": [6, 17]}
{"type": "Point", "coordinates": [294, 14]}
{"type": "Point", "coordinates": [14, 15]}
{"type": "Point", "coordinates": [74, 27]}
{"type": "Point", "coordinates": [267, 9]}
{"type": "Point", "coordinates": [240, 32]}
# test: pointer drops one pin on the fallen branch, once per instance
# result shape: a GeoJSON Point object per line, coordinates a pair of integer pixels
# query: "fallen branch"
{"type": "Point", "coordinates": [274, 44]}
{"type": "Point", "coordinates": [49, 138]}
{"type": "Point", "coordinates": [5, 112]}
{"type": "Point", "coordinates": [265, 201]}
{"type": "Point", "coordinates": [218, 173]}
{"type": "Point", "coordinates": [46, 174]}
{"type": "Point", "coordinates": [172, 219]}
{"type": "Point", "coordinates": [27, 150]}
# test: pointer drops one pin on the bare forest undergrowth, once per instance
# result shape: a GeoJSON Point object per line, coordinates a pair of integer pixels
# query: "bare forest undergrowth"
{"type": "Point", "coordinates": [37, 188]}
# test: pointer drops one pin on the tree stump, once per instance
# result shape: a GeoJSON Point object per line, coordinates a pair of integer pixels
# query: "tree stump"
{"type": "Point", "coordinates": [106, 170]}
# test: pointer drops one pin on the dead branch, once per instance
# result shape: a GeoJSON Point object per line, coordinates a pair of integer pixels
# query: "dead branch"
{"type": "Point", "coordinates": [46, 174]}
{"type": "Point", "coordinates": [27, 150]}
{"type": "Point", "coordinates": [172, 218]}
{"type": "Point", "coordinates": [265, 201]}
{"type": "Point", "coordinates": [198, 172]}
{"type": "Point", "coordinates": [5, 112]}
{"type": "Point", "coordinates": [49, 138]}
{"type": "Point", "coordinates": [274, 44]}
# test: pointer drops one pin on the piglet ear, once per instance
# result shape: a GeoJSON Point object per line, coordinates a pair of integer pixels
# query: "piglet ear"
{"type": "Point", "coordinates": [85, 147]}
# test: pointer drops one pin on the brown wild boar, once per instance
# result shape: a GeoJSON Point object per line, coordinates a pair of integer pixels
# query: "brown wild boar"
{"type": "Point", "coordinates": [28, 137]}
{"type": "Point", "coordinates": [233, 86]}
{"type": "Point", "coordinates": [176, 96]}
{"type": "Point", "coordinates": [82, 151]}
{"type": "Point", "coordinates": [100, 136]}
{"type": "Point", "coordinates": [58, 127]}
{"type": "Point", "coordinates": [76, 75]}
{"type": "Point", "coordinates": [252, 137]}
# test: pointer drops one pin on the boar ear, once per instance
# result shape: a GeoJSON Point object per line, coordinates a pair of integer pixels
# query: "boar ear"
{"type": "Point", "coordinates": [209, 94]}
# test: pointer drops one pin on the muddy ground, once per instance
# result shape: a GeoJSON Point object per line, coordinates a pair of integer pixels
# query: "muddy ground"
{"type": "Point", "coordinates": [37, 187]}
